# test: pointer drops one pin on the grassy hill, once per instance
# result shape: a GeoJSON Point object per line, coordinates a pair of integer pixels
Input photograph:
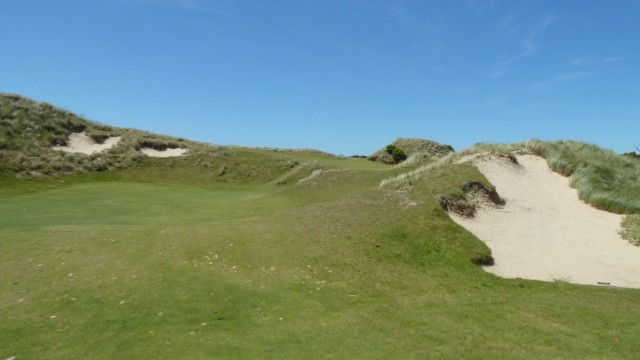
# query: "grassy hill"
{"type": "Point", "coordinates": [417, 151]}
{"type": "Point", "coordinates": [272, 254]}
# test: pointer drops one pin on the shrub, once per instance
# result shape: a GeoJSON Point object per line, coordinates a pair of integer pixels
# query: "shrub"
{"type": "Point", "coordinates": [396, 153]}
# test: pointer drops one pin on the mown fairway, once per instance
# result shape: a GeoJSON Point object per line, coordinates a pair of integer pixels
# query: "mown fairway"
{"type": "Point", "coordinates": [154, 263]}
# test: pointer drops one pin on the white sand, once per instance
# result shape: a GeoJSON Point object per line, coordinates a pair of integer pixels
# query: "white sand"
{"type": "Point", "coordinates": [163, 153]}
{"type": "Point", "coordinates": [82, 143]}
{"type": "Point", "coordinates": [544, 232]}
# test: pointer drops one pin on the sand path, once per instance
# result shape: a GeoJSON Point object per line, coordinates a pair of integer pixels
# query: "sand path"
{"type": "Point", "coordinates": [544, 232]}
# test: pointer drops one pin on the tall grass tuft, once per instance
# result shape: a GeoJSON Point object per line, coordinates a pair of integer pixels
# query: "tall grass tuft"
{"type": "Point", "coordinates": [404, 181]}
{"type": "Point", "coordinates": [631, 229]}
{"type": "Point", "coordinates": [497, 148]}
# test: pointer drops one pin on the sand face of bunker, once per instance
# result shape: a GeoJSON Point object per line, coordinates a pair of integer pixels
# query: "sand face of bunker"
{"type": "Point", "coordinates": [163, 153]}
{"type": "Point", "coordinates": [82, 143]}
{"type": "Point", "coordinates": [544, 232]}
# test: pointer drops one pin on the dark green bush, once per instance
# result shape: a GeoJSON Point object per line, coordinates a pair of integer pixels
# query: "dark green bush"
{"type": "Point", "coordinates": [396, 153]}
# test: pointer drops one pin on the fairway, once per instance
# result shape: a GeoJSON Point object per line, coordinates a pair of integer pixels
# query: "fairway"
{"type": "Point", "coordinates": [332, 267]}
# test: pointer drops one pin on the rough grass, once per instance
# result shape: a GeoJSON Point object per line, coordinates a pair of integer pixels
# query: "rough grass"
{"type": "Point", "coordinates": [406, 180]}
{"type": "Point", "coordinates": [98, 267]}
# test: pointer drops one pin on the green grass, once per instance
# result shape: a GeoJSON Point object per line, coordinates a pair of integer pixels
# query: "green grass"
{"type": "Point", "coordinates": [124, 265]}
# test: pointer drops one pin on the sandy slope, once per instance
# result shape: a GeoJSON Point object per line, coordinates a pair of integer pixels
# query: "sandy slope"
{"type": "Point", "coordinates": [82, 143]}
{"type": "Point", "coordinates": [545, 232]}
{"type": "Point", "coordinates": [163, 153]}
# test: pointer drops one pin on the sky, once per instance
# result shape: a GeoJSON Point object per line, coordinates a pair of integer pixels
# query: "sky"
{"type": "Point", "coordinates": [342, 76]}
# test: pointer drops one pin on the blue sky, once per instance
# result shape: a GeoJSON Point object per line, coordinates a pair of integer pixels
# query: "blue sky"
{"type": "Point", "coordinates": [343, 76]}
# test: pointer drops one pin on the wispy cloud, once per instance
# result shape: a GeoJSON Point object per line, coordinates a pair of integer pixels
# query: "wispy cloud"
{"type": "Point", "coordinates": [497, 102]}
{"type": "Point", "coordinates": [572, 76]}
{"type": "Point", "coordinates": [181, 8]}
{"type": "Point", "coordinates": [510, 24]}
{"type": "Point", "coordinates": [536, 105]}
{"type": "Point", "coordinates": [501, 69]}
{"type": "Point", "coordinates": [185, 5]}
{"type": "Point", "coordinates": [555, 81]}
{"type": "Point", "coordinates": [595, 61]}
{"type": "Point", "coordinates": [479, 7]}
{"type": "Point", "coordinates": [528, 45]}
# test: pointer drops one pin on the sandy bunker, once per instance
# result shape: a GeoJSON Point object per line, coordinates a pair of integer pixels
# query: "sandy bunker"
{"type": "Point", "coordinates": [83, 143]}
{"type": "Point", "coordinates": [544, 232]}
{"type": "Point", "coordinates": [163, 153]}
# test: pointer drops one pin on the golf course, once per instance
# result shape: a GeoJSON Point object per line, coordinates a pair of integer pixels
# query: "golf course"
{"type": "Point", "coordinates": [223, 252]}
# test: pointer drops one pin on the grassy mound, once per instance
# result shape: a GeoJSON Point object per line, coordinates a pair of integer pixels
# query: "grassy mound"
{"type": "Point", "coordinates": [417, 151]}
{"type": "Point", "coordinates": [29, 129]}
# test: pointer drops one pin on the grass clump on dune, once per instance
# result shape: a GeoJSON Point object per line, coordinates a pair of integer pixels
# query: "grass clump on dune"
{"type": "Point", "coordinates": [406, 180]}
{"type": "Point", "coordinates": [631, 229]}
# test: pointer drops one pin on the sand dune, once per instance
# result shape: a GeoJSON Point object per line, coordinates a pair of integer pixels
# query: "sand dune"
{"type": "Point", "coordinates": [545, 232]}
